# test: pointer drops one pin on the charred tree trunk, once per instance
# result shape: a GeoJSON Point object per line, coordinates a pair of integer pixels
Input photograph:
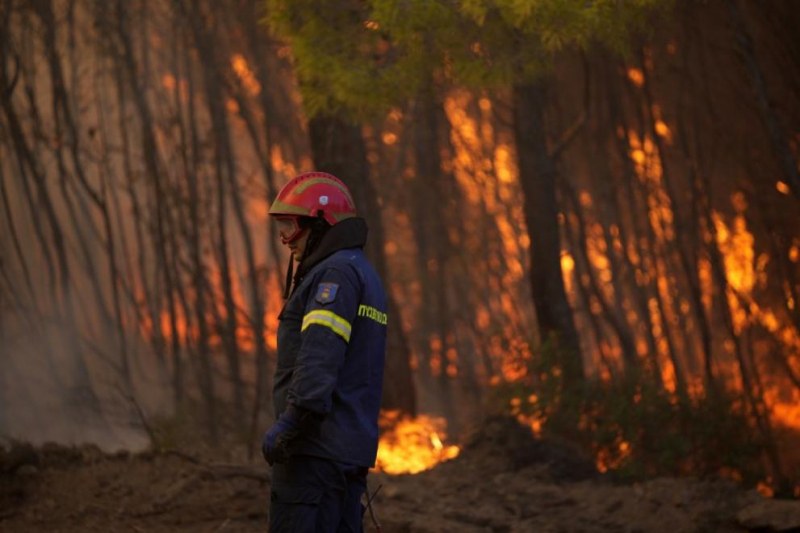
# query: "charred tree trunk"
{"type": "Point", "coordinates": [693, 249]}
{"type": "Point", "coordinates": [747, 370]}
{"type": "Point", "coordinates": [538, 177]}
{"type": "Point", "coordinates": [430, 208]}
{"type": "Point", "coordinates": [75, 379]}
{"type": "Point", "coordinates": [630, 234]}
{"type": "Point", "coordinates": [121, 46]}
{"type": "Point", "coordinates": [648, 263]}
{"type": "Point", "coordinates": [199, 283]}
{"type": "Point", "coordinates": [611, 313]}
{"type": "Point", "coordinates": [177, 294]}
{"type": "Point", "coordinates": [678, 224]}
{"type": "Point", "coordinates": [338, 147]}
{"type": "Point", "coordinates": [226, 186]}
{"type": "Point", "coordinates": [777, 136]}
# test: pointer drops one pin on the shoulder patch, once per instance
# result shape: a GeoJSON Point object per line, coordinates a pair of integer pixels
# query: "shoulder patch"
{"type": "Point", "coordinates": [326, 292]}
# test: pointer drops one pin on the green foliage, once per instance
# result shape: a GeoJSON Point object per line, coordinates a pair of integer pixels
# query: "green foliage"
{"type": "Point", "coordinates": [363, 56]}
{"type": "Point", "coordinates": [638, 429]}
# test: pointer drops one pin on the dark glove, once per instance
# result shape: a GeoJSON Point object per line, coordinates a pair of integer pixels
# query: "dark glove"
{"type": "Point", "coordinates": [274, 445]}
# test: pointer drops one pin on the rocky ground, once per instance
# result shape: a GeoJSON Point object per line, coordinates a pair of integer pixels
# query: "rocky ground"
{"type": "Point", "coordinates": [504, 480]}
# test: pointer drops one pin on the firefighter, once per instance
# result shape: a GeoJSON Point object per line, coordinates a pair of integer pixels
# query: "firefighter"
{"type": "Point", "coordinates": [329, 371]}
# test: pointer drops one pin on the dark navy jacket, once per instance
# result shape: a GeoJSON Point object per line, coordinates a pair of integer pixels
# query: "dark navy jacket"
{"type": "Point", "coordinates": [331, 350]}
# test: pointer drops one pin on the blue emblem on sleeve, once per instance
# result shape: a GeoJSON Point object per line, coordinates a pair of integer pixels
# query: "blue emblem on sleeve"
{"type": "Point", "coordinates": [326, 292]}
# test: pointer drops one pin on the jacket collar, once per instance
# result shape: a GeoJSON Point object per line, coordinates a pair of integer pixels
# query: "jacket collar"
{"type": "Point", "coordinates": [349, 233]}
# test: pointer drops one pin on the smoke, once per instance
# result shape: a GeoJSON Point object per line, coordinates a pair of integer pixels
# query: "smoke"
{"type": "Point", "coordinates": [57, 386]}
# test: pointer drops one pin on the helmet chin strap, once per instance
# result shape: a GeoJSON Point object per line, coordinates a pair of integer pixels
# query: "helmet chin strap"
{"type": "Point", "coordinates": [289, 278]}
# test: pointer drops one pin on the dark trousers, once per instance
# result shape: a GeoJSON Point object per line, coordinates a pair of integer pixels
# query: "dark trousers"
{"type": "Point", "coordinates": [313, 495]}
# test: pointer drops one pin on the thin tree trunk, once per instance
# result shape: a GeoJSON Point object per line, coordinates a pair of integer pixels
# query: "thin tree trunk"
{"type": "Point", "coordinates": [199, 281]}
{"type": "Point", "coordinates": [115, 278]}
{"type": "Point", "coordinates": [226, 183]}
{"type": "Point", "coordinates": [338, 148]}
{"type": "Point", "coordinates": [679, 225]}
{"type": "Point", "coordinates": [587, 288]}
{"type": "Point", "coordinates": [750, 386]}
{"type": "Point", "coordinates": [629, 207]}
{"type": "Point", "coordinates": [120, 43]}
{"type": "Point", "coordinates": [430, 204]}
{"type": "Point", "coordinates": [262, 148]}
{"type": "Point", "coordinates": [257, 38]}
{"type": "Point", "coordinates": [538, 176]}
{"type": "Point", "coordinates": [613, 315]}
{"type": "Point", "coordinates": [691, 265]}
{"type": "Point", "coordinates": [76, 377]}
{"type": "Point", "coordinates": [777, 136]}
{"type": "Point", "coordinates": [15, 240]}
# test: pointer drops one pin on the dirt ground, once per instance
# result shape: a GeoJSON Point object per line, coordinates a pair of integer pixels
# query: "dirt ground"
{"type": "Point", "coordinates": [504, 480]}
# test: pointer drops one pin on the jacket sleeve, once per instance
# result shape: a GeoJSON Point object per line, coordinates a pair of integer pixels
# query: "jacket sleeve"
{"type": "Point", "coordinates": [330, 310]}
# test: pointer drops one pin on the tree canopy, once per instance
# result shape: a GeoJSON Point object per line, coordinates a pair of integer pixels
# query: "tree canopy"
{"type": "Point", "coordinates": [367, 55]}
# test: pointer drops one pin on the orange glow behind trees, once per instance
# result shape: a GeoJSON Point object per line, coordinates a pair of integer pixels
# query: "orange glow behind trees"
{"type": "Point", "coordinates": [681, 259]}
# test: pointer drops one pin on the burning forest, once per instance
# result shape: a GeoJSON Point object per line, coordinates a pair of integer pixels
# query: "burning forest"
{"type": "Point", "coordinates": [586, 221]}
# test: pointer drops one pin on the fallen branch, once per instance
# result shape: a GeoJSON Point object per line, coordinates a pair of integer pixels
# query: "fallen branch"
{"type": "Point", "coordinates": [183, 455]}
{"type": "Point", "coordinates": [223, 470]}
{"type": "Point", "coordinates": [228, 471]}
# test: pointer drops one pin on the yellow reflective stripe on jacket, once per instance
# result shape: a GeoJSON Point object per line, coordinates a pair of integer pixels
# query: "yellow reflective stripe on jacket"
{"type": "Point", "coordinates": [339, 325]}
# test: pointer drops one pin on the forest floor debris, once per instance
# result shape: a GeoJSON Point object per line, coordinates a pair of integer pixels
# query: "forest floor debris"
{"type": "Point", "coordinates": [504, 480]}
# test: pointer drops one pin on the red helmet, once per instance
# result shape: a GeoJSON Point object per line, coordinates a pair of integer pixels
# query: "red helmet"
{"type": "Point", "coordinates": [314, 194]}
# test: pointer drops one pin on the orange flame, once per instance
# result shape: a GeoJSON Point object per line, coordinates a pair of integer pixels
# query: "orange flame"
{"type": "Point", "coordinates": [412, 445]}
{"type": "Point", "coordinates": [611, 458]}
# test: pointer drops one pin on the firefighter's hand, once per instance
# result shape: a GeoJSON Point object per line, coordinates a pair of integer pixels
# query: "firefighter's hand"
{"type": "Point", "coordinates": [275, 444]}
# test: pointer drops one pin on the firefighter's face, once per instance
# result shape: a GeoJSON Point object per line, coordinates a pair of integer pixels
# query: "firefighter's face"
{"type": "Point", "coordinates": [292, 235]}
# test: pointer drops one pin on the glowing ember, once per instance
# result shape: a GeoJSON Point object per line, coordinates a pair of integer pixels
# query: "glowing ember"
{"type": "Point", "coordinates": [636, 76]}
{"type": "Point", "coordinates": [411, 445]}
{"type": "Point", "coordinates": [612, 458]}
{"type": "Point", "coordinates": [245, 74]}
{"type": "Point", "coordinates": [765, 489]}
